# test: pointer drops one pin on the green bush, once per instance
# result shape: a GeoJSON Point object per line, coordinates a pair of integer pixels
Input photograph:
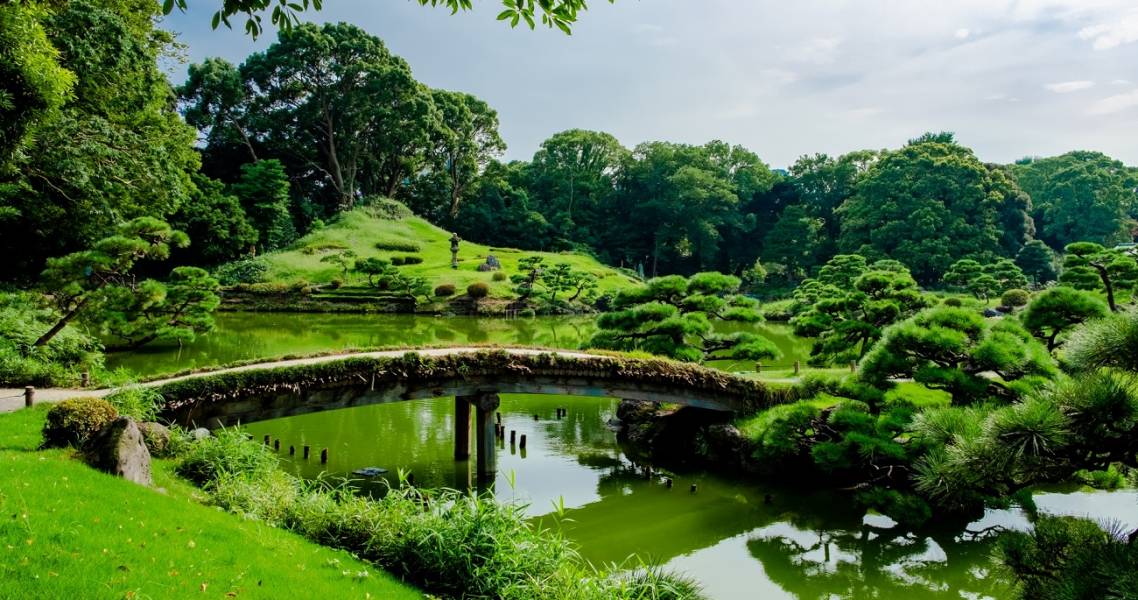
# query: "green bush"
{"type": "Point", "coordinates": [412, 259]}
{"type": "Point", "coordinates": [398, 245]}
{"type": "Point", "coordinates": [249, 270]}
{"type": "Point", "coordinates": [953, 302]}
{"type": "Point", "coordinates": [499, 276]}
{"type": "Point", "coordinates": [444, 290]}
{"type": "Point", "coordinates": [71, 422]}
{"type": "Point", "coordinates": [227, 453]}
{"type": "Point", "coordinates": [1015, 298]}
{"type": "Point", "coordinates": [322, 246]}
{"type": "Point", "coordinates": [398, 261]}
{"type": "Point", "coordinates": [137, 402]}
{"type": "Point", "coordinates": [478, 290]}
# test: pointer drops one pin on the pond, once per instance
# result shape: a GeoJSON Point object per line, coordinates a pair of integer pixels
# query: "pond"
{"type": "Point", "coordinates": [252, 335]}
{"type": "Point", "coordinates": [739, 539]}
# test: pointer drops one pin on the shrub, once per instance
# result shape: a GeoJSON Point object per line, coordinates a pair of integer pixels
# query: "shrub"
{"type": "Point", "coordinates": [227, 453]}
{"type": "Point", "coordinates": [398, 260]}
{"type": "Point", "coordinates": [444, 290]}
{"type": "Point", "coordinates": [336, 283]}
{"type": "Point", "coordinates": [249, 270]}
{"type": "Point", "coordinates": [385, 208]}
{"type": "Point", "coordinates": [322, 246]}
{"type": "Point", "coordinates": [71, 422]}
{"type": "Point", "coordinates": [137, 402]}
{"type": "Point", "coordinates": [1015, 298]}
{"type": "Point", "coordinates": [953, 302]}
{"type": "Point", "coordinates": [499, 276]}
{"type": "Point", "coordinates": [478, 290]}
{"type": "Point", "coordinates": [57, 363]}
{"type": "Point", "coordinates": [412, 259]}
{"type": "Point", "coordinates": [397, 245]}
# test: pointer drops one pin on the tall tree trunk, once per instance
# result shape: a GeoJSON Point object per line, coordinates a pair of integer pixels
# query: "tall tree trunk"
{"type": "Point", "coordinates": [1107, 283]}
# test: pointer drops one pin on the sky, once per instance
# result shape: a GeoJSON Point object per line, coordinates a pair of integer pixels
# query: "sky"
{"type": "Point", "coordinates": [1011, 78]}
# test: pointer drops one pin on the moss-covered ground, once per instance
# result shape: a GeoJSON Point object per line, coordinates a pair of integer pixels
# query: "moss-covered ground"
{"type": "Point", "coordinates": [68, 531]}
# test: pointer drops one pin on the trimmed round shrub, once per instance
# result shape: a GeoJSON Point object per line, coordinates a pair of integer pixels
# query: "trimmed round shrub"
{"type": "Point", "coordinates": [499, 276]}
{"type": "Point", "coordinates": [398, 260]}
{"type": "Point", "coordinates": [249, 270]}
{"type": "Point", "coordinates": [71, 422]}
{"type": "Point", "coordinates": [444, 290]}
{"type": "Point", "coordinates": [412, 259]}
{"type": "Point", "coordinates": [1015, 298]}
{"type": "Point", "coordinates": [954, 302]}
{"type": "Point", "coordinates": [478, 290]}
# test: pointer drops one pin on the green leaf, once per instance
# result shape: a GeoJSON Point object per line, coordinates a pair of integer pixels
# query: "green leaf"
{"type": "Point", "coordinates": [506, 14]}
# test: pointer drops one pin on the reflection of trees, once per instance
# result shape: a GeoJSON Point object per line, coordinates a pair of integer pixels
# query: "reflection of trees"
{"type": "Point", "coordinates": [866, 561]}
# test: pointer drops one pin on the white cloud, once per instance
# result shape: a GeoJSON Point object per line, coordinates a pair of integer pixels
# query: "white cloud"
{"type": "Point", "coordinates": [818, 50]}
{"type": "Point", "coordinates": [864, 113]}
{"type": "Point", "coordinates": [1121, 82]}
{"type": "Point", "coordinates": [1066, 87]}
{"type": "Point", "coordinates": [1114, 104]}
{"type": "Point", "coordinates": [963, 33]}
{"type": "Point", "coordinates": [1113, 34]}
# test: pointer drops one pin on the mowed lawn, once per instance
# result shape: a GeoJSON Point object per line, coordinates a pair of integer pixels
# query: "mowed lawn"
{"type": "Point", "coordinates": [360, 229]}
{"type": "Point", "coordinates": [70, 532]}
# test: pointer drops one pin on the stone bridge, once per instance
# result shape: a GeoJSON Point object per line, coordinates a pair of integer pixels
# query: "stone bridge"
{"type": "Point", "coordinates": [475, 377]}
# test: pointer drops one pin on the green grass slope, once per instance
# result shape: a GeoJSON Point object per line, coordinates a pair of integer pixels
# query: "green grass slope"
{"type": "Point", "coordinates": [389, 223]}
{"type": "Point", "coordinates": [69, 531]}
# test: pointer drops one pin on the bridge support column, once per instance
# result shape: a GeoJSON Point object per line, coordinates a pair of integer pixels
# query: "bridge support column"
{"type": "Point", "coordinates": [486, 404]}
{"type": "Point", "coordinates": [462, 427]}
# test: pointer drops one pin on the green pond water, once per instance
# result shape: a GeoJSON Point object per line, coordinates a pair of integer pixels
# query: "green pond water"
{"type": "Point", "coordinates": [739, 539]}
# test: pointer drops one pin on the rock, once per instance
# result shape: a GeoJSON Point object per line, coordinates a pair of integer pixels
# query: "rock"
{"type": "Point", "coordinates": [156, 436]}
{"type": "Point", "coordinates": [119, 449]}
{"type": "Point", "coordinates": [369, 471]}
{"type": "Point", "coordinates": [200, 434]}
{"type": "Point", "coordinates": [492, 264]}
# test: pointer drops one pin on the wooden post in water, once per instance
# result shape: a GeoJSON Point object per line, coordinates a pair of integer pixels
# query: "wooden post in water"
{"type": "Point", "coordinates": [758, 366]}
{"type": "Point", "coordinates": [462, 427]}
{"type": "Point", "coordinates": [513, 436]}
{"type": "Point", "coordinates": [277, 445]}
{"type": "Point", "coordinates": [266, 440]}
{"type": "Point", "coordinates": [292, 450]}
{"type": "Point", "coordinates": [324, 456]}
{"type": "Point", "coordinates": [486, 454]}
{"type": "Point", "coordinates": [307, 450]}
{"type": "Point", "coordinates": [522, 443]}
{"type": "Point", "coordinates": [29, 396]}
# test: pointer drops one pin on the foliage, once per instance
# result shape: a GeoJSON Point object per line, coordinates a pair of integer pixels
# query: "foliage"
{"type": "Point", "coordinates": [444, 290]}
{"type": "Point", "coordinates": [478, 290]}
{"type": "Point", "coordinates": [561, 14]}
{"type": "Point", "coordinates": [1064, 558]}
{"type": "Point", "coordinates": [140, 403]}
{"type": "Point", "coordinates": [345, 260]}
{"type": "Point", "coordinates": [794, 242]}
{"type": "Point", "coordinates": [850, 303]}
{"type": "Point", "coordinates": [249, 270]}
{"type": "Point", "coordinates": [114, 150]}
{"type": "Point", "coordinates": [672, 316]}
{"type": "Point", "coordinates": [217, 223]}
{"type": "Point", "coordinates": [1105, 343]}
{"type": "Point", "coordinates": [176, 310]}
{"type": "Point", "coordinates": [228, 453]}
{"type": "Point", "coordinates": [931, 201]}
{"type": "Point", "coordinates": [398, 246]}
{"type": "Point", "coordinates": [71, 422]}
{"type": "Point", "coordinates": [951, 349]}
{"type": "Point", "coordinates": [57, 363]}
{"type": "Point", "coordinates": [1089, 266]}
{"type": "Point", "coordinates": [984, 281]}
{"type": "Point", "coordinates": [263, 190]}
{"type": "Point", "coordinates": [1056, 310]}
{"type": "Point", "coordinates": [34, 86]}
{"type": "Point", "coordinates": [1037, 261]}
{"type": "Point", "coordinates": [1015, 298]}
{"type": "Point", "coordinates": [1080, 196]}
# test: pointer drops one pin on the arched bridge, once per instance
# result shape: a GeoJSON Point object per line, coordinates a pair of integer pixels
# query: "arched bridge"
{"type": "Point", "coordinates": [473, 376]}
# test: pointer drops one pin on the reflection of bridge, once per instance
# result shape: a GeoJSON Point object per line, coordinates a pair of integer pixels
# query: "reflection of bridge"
{"type": "Point", "coordinates": [473, 376]}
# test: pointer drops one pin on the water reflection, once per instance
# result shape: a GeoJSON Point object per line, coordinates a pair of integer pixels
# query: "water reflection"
{"type": "Point", "coordinates": [244, 336]}
{"type": "Point", "coordinates": [739, 539]}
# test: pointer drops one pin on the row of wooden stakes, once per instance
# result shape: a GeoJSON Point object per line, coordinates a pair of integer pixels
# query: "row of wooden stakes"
{"type": "Point", "coordinates": [307, 450]}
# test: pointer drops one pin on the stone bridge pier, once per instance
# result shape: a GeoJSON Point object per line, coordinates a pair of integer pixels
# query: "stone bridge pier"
{"type": "Point", "coordinates": [485, 405]}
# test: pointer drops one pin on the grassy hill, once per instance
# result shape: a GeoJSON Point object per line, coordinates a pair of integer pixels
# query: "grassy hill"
{"type": "Point", "coordinates": [387, 230]}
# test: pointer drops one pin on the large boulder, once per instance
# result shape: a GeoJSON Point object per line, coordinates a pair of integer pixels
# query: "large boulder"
{"type": "Point", "coordinates": [492, 264]}
{"type": "Point", "coordinates": [119, 449]}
